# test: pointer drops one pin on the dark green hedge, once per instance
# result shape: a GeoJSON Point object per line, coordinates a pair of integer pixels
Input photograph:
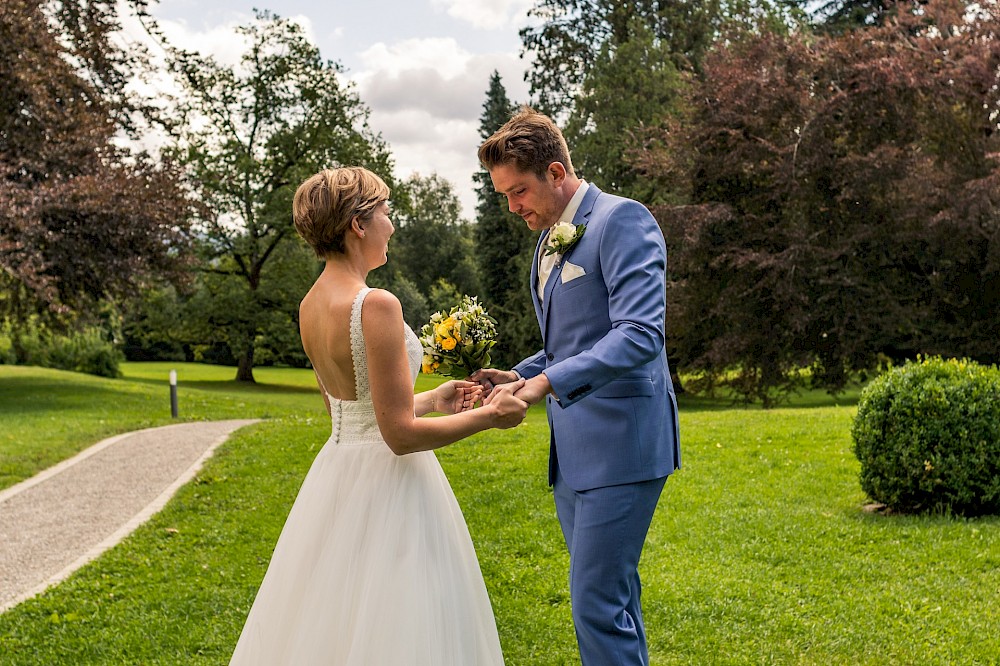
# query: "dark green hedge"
{"type": "Point", "coordinates": [86, 350]}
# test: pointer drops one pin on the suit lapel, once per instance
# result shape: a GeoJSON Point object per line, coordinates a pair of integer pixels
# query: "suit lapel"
{"type": "Point", "coordinates": [534, 280]}
{"type": "Point", "coordinates": [549, 286]}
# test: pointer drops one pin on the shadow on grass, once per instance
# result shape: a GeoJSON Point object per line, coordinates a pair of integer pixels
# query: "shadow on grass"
{"type": "Point", "coordinates": [227, 386]}
{"type": "Point", "coordinates": [33, 394]}
{"type": "Point", "coordinates": [919, 521]}
{"type": "Point", "coordinates": [811, 399]}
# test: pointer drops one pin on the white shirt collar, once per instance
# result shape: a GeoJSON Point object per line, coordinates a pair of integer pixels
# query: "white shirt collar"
{"type": "Point", "coordinates": [574, 204]}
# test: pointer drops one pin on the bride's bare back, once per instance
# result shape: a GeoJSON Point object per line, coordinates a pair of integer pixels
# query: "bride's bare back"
{"type": "Point", "coordinates": [325, 327]}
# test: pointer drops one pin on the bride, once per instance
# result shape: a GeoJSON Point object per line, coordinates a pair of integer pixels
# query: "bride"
{"type": "Point", "coordinates": [374, 565]}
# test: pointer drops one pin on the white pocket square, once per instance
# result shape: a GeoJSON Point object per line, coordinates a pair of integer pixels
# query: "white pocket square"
{"type": "Point", "coordinates": [571, 272]}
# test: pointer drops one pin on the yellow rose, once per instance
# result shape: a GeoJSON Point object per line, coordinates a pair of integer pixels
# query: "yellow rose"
{"type": "Point", "coordinates": [443, 329]}
{"type": "Point", "coordinates": [448, 344]}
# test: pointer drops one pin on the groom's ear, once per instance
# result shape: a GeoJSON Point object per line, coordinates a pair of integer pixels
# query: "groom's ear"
{"type": "Point", "coordinates": [557, 172]}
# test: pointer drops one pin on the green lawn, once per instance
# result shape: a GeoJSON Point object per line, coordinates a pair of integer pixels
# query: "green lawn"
{"type": "Point", "coordinates": [48, 415]}
{"type": "Point", "coordinates": [759, 553]}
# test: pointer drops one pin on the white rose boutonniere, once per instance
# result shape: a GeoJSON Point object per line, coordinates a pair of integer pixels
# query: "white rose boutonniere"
{"type": "Point", "coordinates": [563, 236]}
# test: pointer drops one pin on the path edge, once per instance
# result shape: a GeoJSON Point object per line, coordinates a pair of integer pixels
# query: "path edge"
{"type": "Point", "coordinates": [135, 521]}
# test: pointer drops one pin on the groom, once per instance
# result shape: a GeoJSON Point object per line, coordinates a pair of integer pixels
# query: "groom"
{"type": "Point", "coordinates": [600, 301]}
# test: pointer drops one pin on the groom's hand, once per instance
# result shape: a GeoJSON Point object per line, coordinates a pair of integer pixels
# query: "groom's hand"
{"type": "Point", "coordinates": [490, 378]}
{"type": "Point", "coordinates": [535, 389]}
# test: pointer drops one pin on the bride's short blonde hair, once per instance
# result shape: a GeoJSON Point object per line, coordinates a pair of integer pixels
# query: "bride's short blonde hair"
{"type": "Point", "coordinates": [325, 204]}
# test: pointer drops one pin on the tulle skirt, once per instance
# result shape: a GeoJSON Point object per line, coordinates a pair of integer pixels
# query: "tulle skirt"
{"type": "Point", "coordinates": [374, 566]}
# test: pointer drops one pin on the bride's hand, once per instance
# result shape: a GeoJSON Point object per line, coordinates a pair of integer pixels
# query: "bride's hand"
{"type": "Point", "coordinates": [456, 396]}
{"type": "Point", "coordinates": [508, 410]}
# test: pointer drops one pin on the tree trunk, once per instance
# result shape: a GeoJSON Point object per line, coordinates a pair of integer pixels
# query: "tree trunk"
{"type": "Point", "coordinates": [244, 371]}
{"type": "Point", "coordinates": [676, 379]}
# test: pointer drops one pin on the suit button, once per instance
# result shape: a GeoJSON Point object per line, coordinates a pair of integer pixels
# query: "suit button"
{"type": "Point", "coordinates": [550, 356]}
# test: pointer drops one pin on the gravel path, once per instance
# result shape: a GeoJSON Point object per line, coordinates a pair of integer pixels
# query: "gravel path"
{"type": "Point", "coordinates": [55, 522]}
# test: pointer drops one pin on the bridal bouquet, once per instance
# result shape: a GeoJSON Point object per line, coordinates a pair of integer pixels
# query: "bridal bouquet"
{"type": "Point", "coordinates": [458, 343]}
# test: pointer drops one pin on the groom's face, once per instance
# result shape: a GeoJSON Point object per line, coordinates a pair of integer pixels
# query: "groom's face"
{"type": "Point", "coordinates": [535, 199]}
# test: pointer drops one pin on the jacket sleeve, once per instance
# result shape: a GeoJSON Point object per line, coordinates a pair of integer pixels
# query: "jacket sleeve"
{"type": "Point", "coordinates": [633, 262]}
{"type": "Point", "coordinates": [531, 366]}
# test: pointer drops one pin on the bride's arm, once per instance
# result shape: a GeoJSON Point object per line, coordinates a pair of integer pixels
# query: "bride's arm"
{"type": "Point", "coordinates": [392, 388]}
{"type": "Point", "coordinates": [423, 403]}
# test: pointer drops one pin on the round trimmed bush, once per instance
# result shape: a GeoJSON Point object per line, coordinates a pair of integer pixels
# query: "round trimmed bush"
{"type": "Point", "coordinates": [927, 435]}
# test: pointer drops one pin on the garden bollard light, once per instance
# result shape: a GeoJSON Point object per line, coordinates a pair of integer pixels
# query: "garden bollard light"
{"type": "Point", "coordinates": [173, 393]}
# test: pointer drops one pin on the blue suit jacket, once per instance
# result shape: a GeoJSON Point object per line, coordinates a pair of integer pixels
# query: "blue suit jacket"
{"type": "Point", "coordinates": [615, 421]}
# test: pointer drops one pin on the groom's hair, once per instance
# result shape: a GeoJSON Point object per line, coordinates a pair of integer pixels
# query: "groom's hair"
{"type": "Point", "coordinates": [325, 204]}
{"type": "Point", "coordinates": [530, 141]}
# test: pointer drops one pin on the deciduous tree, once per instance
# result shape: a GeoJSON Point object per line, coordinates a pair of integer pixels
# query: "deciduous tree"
{"type": "Point", "coordinates": [841, 15]}
{"type": "Point", "coordinates": [844, 201]}
{"type": "Point", "coordinates": [568, 36]}
{"type": "Point", "coordinates": [432, 242]}
{"type": "Point", "coordinates": [252, 134]}
{"type": "Point", "coordinates": [80, 219]}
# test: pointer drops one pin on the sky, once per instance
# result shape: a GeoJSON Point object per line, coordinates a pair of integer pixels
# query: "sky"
{"type": "Point", "coordinates": [422, 67]}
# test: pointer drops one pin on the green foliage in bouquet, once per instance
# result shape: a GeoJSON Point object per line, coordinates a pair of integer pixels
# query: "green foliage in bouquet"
{"type": "Point", "coordinates": [927, 435]}
{"type": "Point", "coordinates": [458, 343]}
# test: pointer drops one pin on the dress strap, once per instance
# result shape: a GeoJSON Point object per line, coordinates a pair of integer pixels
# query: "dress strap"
{"type": "Point", "coordinates": [361, 386]}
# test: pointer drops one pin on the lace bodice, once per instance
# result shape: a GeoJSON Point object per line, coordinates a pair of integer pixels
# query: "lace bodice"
{"type": "Point", "coordinates": [354, 420]}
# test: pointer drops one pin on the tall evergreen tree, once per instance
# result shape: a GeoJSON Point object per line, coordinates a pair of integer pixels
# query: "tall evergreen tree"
{"type": "Point", "coordinates": [629, 91]}
{"type": "Point", "coordinates": [504, 247]}
{"type": "Point", "coordinates": [499, 234]}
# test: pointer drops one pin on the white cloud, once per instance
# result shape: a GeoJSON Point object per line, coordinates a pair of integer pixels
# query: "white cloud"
{"type": "Point", "coordinates": [426, 96]}
{"type": "Point", "coordinates": [441, 53]}
{"type": "Point", "coordinates": [486, 14]}
{"type": "Point", "coordinates": [422, 143]}
{"type": "Point", "coordinates": [222, 41]}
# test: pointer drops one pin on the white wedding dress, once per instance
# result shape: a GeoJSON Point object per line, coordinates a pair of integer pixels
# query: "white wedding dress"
{"type": "Point", "coordinates": [375, 565]}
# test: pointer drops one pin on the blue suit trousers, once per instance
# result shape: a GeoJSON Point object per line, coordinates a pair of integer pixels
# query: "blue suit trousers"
{"type": "Point", "coordinates": [605, 529]}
